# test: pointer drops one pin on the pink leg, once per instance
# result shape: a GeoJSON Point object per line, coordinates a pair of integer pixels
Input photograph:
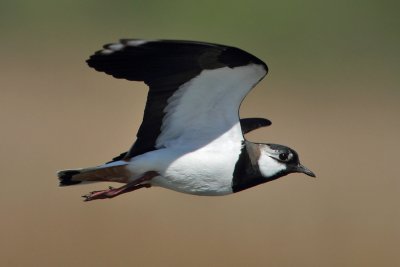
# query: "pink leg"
{"type": "Point", "coordinates": [129, 187]}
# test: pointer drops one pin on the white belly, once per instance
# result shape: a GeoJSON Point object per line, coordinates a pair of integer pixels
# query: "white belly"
{"type": "Point", "coordinates": [210, 174]}
{"type": "Point", "coordinates": [202, 172]}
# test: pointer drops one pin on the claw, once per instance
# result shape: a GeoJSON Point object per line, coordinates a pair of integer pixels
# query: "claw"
{"type": "Point", "coordinates": [86, 197]}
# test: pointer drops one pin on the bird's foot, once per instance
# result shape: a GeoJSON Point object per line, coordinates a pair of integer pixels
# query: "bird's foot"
{"type": "Point", "coordinates": [101, 194]}
{"type": "Point", "coordinates": [113, 192]}
{"type": "Point", "coordinates": [132, 186]}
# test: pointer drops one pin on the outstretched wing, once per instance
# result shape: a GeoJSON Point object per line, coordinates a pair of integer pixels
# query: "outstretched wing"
{"type": "Point", "coordinates": [247, 125]}
{"type": "Point", "coordinates": [195, 88]}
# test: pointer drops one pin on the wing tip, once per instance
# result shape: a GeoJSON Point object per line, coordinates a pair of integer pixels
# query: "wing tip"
{"type": "Point", "coordinates": [107, 59]}
{"type": "Point", "coordinates": [234, 57]}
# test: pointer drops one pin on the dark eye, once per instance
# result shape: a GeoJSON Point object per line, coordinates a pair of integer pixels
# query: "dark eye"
{"type": "Point", "coordinates": [283, 156]}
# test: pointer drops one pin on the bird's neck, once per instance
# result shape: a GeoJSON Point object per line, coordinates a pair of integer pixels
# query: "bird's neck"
{"type": "Point", "coordinates": [247, 173]}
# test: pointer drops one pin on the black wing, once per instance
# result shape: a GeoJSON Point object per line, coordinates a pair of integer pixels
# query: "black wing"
{"type": "Point", "coordinates": [251, 124]}
{"type": "Point", "coordinates": [164, 65]}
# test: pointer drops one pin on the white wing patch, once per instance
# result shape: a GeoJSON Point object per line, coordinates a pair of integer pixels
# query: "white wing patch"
{"type": "Point", "coordinates": [136, 42]}
{"type": "Point", "coordinates": [118, 46]}
{"type": "Point", "coordinates": [206, 108]}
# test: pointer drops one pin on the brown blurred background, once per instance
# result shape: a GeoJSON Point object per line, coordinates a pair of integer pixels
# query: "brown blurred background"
{"type": "Point", "coordinates": [332, 94]}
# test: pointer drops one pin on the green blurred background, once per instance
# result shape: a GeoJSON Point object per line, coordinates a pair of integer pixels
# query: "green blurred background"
{"type": "Point", "coordinates": [332, 94]}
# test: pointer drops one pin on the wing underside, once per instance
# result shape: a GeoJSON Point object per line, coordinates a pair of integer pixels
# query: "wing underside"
{"type": "Point", "coordinates": [247, 125]}
{"type": "Point", "coordinates": [195, 89]}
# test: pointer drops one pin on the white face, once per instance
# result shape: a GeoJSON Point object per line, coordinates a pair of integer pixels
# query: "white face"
{"type": "Point", "coordinates": [269, 166]}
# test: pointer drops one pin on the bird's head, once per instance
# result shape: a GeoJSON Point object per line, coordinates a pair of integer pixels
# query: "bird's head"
{"type": "Point", "coordinates": [276, 161]}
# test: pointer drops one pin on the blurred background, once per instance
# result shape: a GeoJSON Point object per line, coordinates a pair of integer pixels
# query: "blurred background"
{"type": "Point", "coordinates": [332, 94]}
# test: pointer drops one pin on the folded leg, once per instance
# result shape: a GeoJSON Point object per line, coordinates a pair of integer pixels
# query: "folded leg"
{"type": "Point", "coordinates": [141, 182]}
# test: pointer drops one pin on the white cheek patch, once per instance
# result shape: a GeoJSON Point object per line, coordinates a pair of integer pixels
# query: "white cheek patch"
{"type": "Point", "coordinates": [269, 166]}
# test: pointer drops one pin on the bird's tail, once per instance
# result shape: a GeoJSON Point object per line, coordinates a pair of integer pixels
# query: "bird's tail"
{"type": "Point", "coordinates": [113, 172]}
{"type": "Point", "coordinates": [66, 177]}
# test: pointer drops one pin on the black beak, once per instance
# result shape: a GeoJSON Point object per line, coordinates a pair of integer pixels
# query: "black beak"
{"type": "Point", "coordinates": [302, 169]}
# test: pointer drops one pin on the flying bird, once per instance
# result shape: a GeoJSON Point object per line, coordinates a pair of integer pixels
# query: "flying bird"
{"type": "Point", "coordinates": [191, 139]}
